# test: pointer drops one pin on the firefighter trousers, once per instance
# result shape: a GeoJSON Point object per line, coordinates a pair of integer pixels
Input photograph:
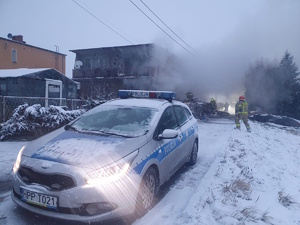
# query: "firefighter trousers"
{"type": "Point", "coordinates": [244, 118]}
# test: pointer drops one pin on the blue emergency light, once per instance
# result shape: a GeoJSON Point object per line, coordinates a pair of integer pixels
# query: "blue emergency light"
{"type": "Point", "coordinates": [168, 95]}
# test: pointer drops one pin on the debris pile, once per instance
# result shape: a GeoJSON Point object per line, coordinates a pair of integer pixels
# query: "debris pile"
{"type": "Point", "coordinates": [203, 110]}
{"type": "Point", "coordinates": [280, 120]}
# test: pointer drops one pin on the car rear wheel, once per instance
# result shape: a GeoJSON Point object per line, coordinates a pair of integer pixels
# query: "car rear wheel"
{"type": "Point", "coordinates": [194, 154]}
{"type": "Point", "coordinates": [147, 192]}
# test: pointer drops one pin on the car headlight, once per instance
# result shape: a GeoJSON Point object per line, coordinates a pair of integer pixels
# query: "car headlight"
{"type": "Point", "coordinates": [18, 160]}
{"type": "Point", "coordinates": [112, 172]}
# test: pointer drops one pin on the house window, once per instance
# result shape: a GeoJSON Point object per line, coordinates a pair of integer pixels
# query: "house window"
{"type": "Point", "coordinates": [14, 55]}
{"type": "Point", "coordinates": [2, 88]}
{"type": "Point", "coordinates": [88, 63]}
{"type": "Point", "coordinates": [115, 62]}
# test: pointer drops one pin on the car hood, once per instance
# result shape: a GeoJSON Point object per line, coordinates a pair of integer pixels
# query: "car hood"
{"type": "Point", "coordinates": [83, 150]}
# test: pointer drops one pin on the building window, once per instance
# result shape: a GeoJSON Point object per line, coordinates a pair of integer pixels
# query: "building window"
{"type": "Point", "coordinates": [88, 63]}
{"type": "Point", "coordinates": [115, 61]}
{"type": "Point", "coordinates": [14, 55]}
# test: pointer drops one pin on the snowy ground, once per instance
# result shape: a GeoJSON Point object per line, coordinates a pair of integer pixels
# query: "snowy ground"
{"type": "Point", "coordinates": [240, 178]}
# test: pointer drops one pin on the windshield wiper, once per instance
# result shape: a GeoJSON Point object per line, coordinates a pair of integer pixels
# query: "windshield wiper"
{"type": "Point", "coordinates": [116, 134]}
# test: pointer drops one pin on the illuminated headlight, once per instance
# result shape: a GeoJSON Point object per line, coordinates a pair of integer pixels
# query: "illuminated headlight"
{"type": "Point", "coordinates": [18, 160]}
{"type": "Point", "coordinates": [108, 174]}
{"type": "Point", "coordinates": [112, 172]}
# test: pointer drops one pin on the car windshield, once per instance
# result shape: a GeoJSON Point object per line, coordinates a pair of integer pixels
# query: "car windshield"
{"type": "Point", "coordinates": [117, 120]}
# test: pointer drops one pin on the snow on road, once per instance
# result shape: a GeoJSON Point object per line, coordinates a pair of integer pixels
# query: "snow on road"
{"type": "Point", "coordinates": [240, 178]}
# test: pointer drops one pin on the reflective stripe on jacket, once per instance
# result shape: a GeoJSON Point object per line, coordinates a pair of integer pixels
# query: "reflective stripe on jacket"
{"type": "Point", "coordinates": [241, 107]}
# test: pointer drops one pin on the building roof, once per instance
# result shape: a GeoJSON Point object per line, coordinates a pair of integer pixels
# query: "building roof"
{"type": "Point", "coordinates": [104, 48]}
{"type": "Point", "coordinates": [41, 73]}
{"type": "Point", "coordinates": [19, 72]}
{"type": "Point", "coordinates": [21, 43]}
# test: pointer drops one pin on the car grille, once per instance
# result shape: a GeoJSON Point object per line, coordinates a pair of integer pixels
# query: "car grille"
{"type": "Point", "coordinates": [53, 181]}
{"type": "Point", "coordinates": [81, 210]}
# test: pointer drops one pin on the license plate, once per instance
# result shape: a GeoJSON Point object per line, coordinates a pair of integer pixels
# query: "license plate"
{"type": "Point", "coordinates": [39, 199]}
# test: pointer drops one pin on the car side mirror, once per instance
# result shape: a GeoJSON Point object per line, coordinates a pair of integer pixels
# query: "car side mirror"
{"type": "Point", "coordinates": [67, 127]}
{"type": "Point", "coordinates": [168, 134]}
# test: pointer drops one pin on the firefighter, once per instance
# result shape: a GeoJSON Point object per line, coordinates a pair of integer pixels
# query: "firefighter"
{"type": "Point", "coordinates": [213, 104]}
{"type": "Point", "coordinates": [241, 113]}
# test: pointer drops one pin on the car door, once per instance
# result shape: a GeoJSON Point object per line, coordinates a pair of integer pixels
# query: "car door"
{"type": "Point", "coordinates": [168, 147]}
{"type": "Point", "coordinates": [185, 127]}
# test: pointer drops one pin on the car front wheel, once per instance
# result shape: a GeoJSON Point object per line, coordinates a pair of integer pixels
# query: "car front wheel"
{"type": "Point", "coordinates": [147, 192]}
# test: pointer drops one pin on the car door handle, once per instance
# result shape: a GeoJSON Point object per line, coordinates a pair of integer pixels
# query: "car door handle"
{"type": "Point", "coordinates": [180, 137]}
{"type": "Point", "coordinates": [192, 128]}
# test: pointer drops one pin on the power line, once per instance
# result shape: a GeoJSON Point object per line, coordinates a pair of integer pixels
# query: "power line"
{"type": "Point", "coordinates": [115, 31]}
{"type": "Point", "coordinates": [129, 37]}
{"type": "Point", "coordinates": [102, 22]}
{"type": "Point", "coordinates": [161, 28]}
{"type": "Point", "coordinates": [167, 26]}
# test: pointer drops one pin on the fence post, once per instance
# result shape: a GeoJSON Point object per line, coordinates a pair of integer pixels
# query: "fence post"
{"type": "Point", "coordinates": [4, 116]}
{"type": "Point", "coordinates": [1, 107]}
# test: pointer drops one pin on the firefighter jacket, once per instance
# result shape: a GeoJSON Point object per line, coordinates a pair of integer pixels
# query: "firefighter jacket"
{"type": "Point", "coordinates": [241, 107]}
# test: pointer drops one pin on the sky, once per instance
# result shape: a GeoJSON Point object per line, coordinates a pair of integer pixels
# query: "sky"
{"type": "Point", "coordinates": [239, 178]}
{"type": "Point", "coordinates": [226, 36]}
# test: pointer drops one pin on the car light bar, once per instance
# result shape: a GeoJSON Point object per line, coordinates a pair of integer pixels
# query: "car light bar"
{"type": "Point", "coordinates": [168, 95]}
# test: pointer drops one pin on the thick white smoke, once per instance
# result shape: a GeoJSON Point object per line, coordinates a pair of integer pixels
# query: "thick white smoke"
{"type": "Point", "coordinates": [218, 70]}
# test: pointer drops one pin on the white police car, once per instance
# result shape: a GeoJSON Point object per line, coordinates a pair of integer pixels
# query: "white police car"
{"type": "Point", "coordinates": [109, 162]}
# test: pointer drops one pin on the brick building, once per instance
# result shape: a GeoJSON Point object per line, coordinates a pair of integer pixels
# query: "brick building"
{"type": "Point", "coordinates": [15, 53]}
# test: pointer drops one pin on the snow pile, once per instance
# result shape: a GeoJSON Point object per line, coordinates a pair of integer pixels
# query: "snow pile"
{"type": "Point", "coordinates": [30, 122]}
{"type": "Point", "coordinates": [255, 181]}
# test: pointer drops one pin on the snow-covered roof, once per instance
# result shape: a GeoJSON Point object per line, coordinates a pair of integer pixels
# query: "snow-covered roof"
{"type": "Point", "coordinates": [19, 72]}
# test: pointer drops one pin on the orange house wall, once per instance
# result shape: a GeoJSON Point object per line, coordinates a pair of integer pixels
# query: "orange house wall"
{"type": "Point", "coordinates": [30, 57]}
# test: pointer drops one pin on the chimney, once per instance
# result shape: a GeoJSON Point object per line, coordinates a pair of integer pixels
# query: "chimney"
{"type": "Point", "coordinates": [18, 38]}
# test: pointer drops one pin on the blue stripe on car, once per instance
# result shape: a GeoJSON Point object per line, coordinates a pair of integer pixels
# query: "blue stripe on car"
{"type": "Point", "coordinates": [166, 149]}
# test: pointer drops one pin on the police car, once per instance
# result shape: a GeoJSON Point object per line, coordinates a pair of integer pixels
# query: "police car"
{"type": "Point", "coordinates": [109, 162]}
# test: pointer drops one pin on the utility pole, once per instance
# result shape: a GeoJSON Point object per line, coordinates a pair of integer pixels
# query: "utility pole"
{"type": "Point", "coordinates": [56, 57]}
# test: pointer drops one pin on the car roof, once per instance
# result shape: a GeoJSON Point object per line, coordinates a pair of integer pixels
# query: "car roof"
{"type": "Point", "coordinates": [139, 102]}
{"type": "Point", "coordinates": [144, 102]}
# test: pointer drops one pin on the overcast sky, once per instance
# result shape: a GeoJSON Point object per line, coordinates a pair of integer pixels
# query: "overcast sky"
{"type": "Point", "coordinates": [228, 35]}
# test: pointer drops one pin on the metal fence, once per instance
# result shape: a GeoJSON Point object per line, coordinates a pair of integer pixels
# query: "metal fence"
{"type": "Point", "coordinates": [9, 103]}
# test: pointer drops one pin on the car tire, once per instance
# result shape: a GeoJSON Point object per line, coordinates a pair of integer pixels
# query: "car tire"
{"type": "Point", "coordinates": [194, 154]}
{"type": "Point", "coordinates": [147, 192]}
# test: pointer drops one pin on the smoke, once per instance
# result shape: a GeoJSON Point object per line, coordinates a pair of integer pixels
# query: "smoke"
{"type": "Point", "coordinates": [219, 69]}
{"type": "Point", "coordinates": [262, 90]}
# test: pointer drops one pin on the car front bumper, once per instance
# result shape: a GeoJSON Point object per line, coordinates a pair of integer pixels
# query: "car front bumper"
{"type": "Point", "coordinates": [107, 201]}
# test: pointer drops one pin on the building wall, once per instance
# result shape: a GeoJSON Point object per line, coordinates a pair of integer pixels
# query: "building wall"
{"type": "Point", "coordinates": [114, 62]}
{"type": "Point", "coordinates": [104, 71]}
{"type": "Point", "coordinates": [29, 57]}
